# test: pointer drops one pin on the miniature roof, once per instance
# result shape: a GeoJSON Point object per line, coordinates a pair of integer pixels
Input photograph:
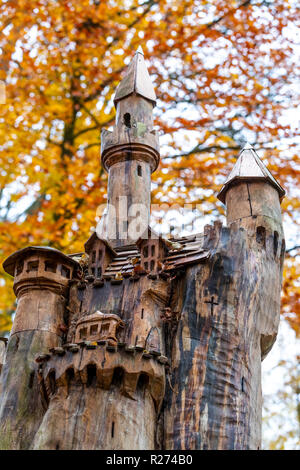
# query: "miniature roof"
{"type": "Point", "coordinates": [98, 316]}
{"type": "Point", "coordinates": [249, 167]}
{"type": "Point", "coordinates": [10, 262]}
{"type": "Point", "coordinates": [190, 252]}
{"type": "Point", "coordinates": [150, 234]}
{"type": "Point", "coordinates": [137, 80]}
{"type": "Point", "coordinates": [88, 244]}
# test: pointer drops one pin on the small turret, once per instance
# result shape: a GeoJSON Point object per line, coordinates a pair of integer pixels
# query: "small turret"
{"type": "Point", "coordinates": [42, 276]}
{"type": "Point", "coordinates": [130, 154]}
{"type": "Point", "coordinates": [252, 197]}
{"type": "Point", "coordinates": [250, 190]}
{"type": "Point", "coordinates": [41, 281]}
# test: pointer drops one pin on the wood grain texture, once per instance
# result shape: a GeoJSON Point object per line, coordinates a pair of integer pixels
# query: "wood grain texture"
{"type": "Point", "coordinates": [229, 314]}
{"type": "Point", "coordinates": [118, 422]}
{"type": "Point", "coordinates": [38, 325]}
{"type": "Point", "coordinates": [21, 409]}
{"type": "Point", "coordinates": [125, 386]}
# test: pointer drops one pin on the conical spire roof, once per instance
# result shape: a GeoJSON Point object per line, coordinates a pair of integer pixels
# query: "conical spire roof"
{"type": "Point", "coordinates": [249, 167]}
{"type": "Point", "coordinates": [137, 80]}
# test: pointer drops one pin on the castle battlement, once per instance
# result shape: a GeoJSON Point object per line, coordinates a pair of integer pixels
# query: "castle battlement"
{"type": "Point", "coordinates": [103, 364]}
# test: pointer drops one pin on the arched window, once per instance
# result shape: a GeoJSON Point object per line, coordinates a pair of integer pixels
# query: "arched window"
{"type": "Point", "coordinates": [118, 376]}
{"type": "Point", "coordinates": [275, 243]}
{"type": "Point", "coordinates": [95, 264]}
{"type": "Point", "coordinates": [282, 251]}
{"type": "Point", "coordinates": [127, 120]}
{"type": "Point", "coordinates": [52, 382]}
{"type": "Point", "coordinates": [91, 374]}
{"type": "Point", "coordinates": [31, 379]}
{"type": "Point", "coordinates": [70, 376]}
{"type": "Point", "coordinates": [143, 382]}
{"type": "Point", "coordinates": [149, 255]}
{"type": "Point", "coordinates": [261, 236]}
{"type": "Point", "coordinates": [145, 252]}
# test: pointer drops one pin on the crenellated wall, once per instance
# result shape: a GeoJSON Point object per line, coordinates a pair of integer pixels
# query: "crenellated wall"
{"type": "Point", "coordinates": [115, 380]}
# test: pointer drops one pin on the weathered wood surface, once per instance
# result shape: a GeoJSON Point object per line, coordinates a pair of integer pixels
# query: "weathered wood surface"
{"type": "Point", "coordinates": [21, 410]}
{"type": "Point", "coordinates": [128, 184]}
{"type": "Point", "coordinates": [94, 418]}
{"type": "Point", "coordinates": [212, 321]}
{"type": "Point", "coordinates": [38, 325]}
{"type": "Point", "coordinates": [229, 314]}
{"type": "Point", "coordinates": [110, 400]}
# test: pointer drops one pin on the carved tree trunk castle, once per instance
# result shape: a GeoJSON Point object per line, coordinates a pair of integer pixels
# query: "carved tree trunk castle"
{"type": "Point", "coordinates": [143, 342]}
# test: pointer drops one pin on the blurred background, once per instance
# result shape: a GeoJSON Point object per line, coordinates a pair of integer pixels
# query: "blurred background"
{"type": "Point", "coordinates": [225, 72]}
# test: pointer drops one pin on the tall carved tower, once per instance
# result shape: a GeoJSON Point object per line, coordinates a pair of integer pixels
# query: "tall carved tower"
{"type": "Point", "coordinates": [141, 342]}
{"type": "Point", "coordinates": [130, 154]}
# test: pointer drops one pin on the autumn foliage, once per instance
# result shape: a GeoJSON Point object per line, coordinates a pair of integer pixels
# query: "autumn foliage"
{"type": "Point", "coordinates": [224, 72]}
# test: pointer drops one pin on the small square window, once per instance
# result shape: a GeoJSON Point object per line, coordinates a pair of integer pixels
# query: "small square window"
{"type": "Point", "coordinates": [152, 250]}
{"type": "Point", "coordinates": [50, 266]}
{"type": "Point", "coordinates": [83, 333]}
{"type": "Point", "coordinates": [19, 268]}
{"type": "Point", "coordinates": [65, 272]}
{"type": "Point", "coordinates": [104, 328]}
{"type": "Point", "coordinates": [94, 330]}
{"type": "Point", "coordinates": [93, 256]}
{"type": "Point", "coordinates": [145, 252]}
{"type": "Point", "coordinates": [152, 265]}
{"type": "Point", "coordinates": [33, 265]}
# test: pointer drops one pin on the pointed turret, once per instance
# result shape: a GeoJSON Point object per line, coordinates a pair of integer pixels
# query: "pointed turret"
{"type": "Point", "coordinates": [130, 154]}
{"type": "Point", "coordinates": [136, 81]}
{"type": "Point", "coordinates": [249, 167]}
{"type": "Point", "coordinates": [250, 191]}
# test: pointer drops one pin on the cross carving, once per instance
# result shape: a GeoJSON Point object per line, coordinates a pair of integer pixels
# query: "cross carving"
{"type": "Point", "coordinates": [212, 303]}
